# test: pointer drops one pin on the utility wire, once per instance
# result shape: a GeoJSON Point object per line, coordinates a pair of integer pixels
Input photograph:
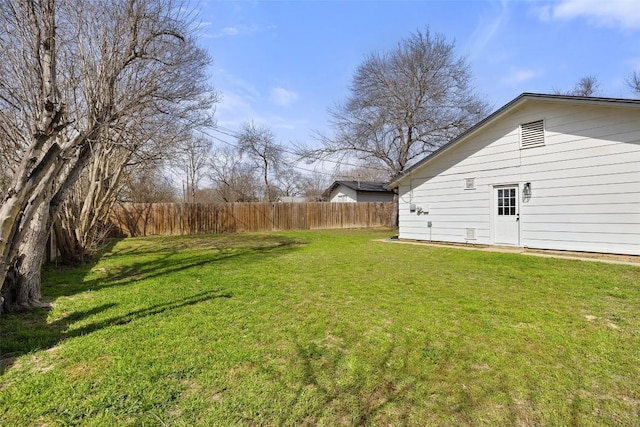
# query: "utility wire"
{"type": "Point", "coordinates": [233, 134]}
{"type": "Point", "coordinates": [293, 166]}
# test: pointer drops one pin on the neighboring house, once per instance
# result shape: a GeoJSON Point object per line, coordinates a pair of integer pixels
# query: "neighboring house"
{"type": "Point", "coordinates": [358, 191]}
{"type": "Point", "coordinates": [544, 171]}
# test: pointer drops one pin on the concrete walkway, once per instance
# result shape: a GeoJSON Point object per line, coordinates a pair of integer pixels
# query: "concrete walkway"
{"type": "Point", "coordinates": [582, 256]}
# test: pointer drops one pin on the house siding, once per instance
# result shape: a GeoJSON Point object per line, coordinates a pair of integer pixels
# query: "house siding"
{"type": "Point", "coordinates": [585, 181]}
{"type": "Point", "coordinates": [371, 196]}
{"type": "Point", "coordinates": [343, 194]}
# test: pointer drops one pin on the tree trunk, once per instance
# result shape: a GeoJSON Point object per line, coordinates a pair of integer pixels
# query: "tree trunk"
{"type": "Point", "coordinates": [22, 203]}
{"type": "Point", "coordinates": [23, 256]}
{"type": "Point", "coordinates": [23, 282]}
{"type": "Point", "coordinates": [65, 242]}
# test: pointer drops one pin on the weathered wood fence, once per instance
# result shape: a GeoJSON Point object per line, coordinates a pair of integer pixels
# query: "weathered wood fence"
{"type": "Point", "coordinates": [148, 219]}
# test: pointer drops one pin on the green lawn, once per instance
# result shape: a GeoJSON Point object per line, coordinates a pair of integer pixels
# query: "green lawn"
{"type": "Point", "coordinates": [324, 328]}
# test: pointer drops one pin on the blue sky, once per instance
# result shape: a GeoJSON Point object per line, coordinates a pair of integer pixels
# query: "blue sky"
{"type": "Point", "coordinates": [284, 63]}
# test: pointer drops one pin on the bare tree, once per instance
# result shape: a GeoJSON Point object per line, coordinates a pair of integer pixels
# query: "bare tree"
{"type": "Point", "coordinates": [83, 221]}
{"type": "Point", "coordinates": [146, 183]}
{"type": "Point", "coordinates": [288, 182]}
{"type": "Point", "coordinates": [74, 72]}
{"type": "Point", "coordinates": [235, 180]}
{"type": "Point", "coordinates": [258, 144]}
{"type": "Point", "coordinates": [368, 172]}
{"type": "Point", "coordinates": [314, 184]}
{"type": "Point", "coordinates": [84, 215]}
{"type": "Point", "coordinates": [143, 184]}
{"type": "Point", "coordinates": [190, 157]}
{"type": "Point", "coordinates": [586, 86]}
{"type": "Point", "coordinates": [404, 104]}
{"type": "Point", "coordinates": [30, 130]}
{"type": "Point", "coordinates": [633, 81]}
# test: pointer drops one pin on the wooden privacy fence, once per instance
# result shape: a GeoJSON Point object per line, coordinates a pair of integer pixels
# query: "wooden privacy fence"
{"type": "Point", "coordinates": [148, 219]}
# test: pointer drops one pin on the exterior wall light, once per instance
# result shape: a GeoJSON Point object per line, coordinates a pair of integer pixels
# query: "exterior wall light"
{"type": "Point", "coordinates": [526, 191]}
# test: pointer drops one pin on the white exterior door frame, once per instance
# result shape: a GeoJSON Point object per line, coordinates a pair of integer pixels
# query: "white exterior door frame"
{"type": "Point", "coordinates": [505, 214]}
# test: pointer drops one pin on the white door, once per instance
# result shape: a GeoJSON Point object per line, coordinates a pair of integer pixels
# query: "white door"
{"type": "Point", "coordinates": [506, 215]}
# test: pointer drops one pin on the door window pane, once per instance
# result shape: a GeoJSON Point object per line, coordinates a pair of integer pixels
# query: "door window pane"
{"type": "Point", "coordinates": [507, 202]}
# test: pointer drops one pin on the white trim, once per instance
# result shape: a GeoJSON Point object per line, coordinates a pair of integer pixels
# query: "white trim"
{"type": "Point", "coordinates": [493, 215]}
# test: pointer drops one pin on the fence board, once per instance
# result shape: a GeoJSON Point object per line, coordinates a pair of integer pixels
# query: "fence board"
{"type": "Point", "coordinates": [147, 219]}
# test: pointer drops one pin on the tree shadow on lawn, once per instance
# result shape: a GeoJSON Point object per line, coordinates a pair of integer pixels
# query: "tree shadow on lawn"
{"type": "Point", "coordinates": [23, 333]}
{"type": "Point", "coordinates": [352, 398]}
{"type": "Point", "coordinates": [166, 260]}
{"type": "Point", "coordinates": [366, 391]}
{"type": "Point", "coordinates": [31, 332]}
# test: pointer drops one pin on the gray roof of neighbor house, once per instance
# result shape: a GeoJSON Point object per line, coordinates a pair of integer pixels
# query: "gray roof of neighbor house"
{"type": "Point", "coordinates": [525, 97]}
{"type": "Point", "coordinates": [366, 186]}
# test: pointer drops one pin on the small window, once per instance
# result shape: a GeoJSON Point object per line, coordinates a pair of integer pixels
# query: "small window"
{"type": "Point", "coordinates": [507, 202]}
{"type": "Point", "coordinates": [470, 184]}
{"type": "Point", "coordinates": [532, 134]}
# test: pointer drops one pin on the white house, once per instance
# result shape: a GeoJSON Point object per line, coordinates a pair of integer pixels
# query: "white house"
{"type": "Point", "coordinates": [358, 191]}
{"type": "Point", "coordinates": [544, 171]}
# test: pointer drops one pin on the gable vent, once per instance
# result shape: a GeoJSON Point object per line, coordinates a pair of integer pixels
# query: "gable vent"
{"type": "Point", "coordinates": [532, 134]}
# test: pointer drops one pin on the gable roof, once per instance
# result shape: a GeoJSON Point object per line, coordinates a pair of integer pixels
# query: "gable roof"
{"type": "Point", "coordinates": [360, 186]}
{"type": "Point", "coordinates": [505, 109]}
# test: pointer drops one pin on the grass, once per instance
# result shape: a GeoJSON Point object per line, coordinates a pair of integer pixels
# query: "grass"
{"type": "Point", "coordinates": [324, 328]}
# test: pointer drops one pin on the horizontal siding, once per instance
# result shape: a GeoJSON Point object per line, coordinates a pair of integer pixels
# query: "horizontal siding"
{"type": "Point", "coordinates": [593, 180]}
{"type": "Point", "coordinates": [372, 197]}
{"type": "Point", "coordinates": [581, 246]}
{"type": "Point", "coordinates": [580, 214]}
{"type": "Point", "coordinates": [628, 229]}
{"type": "Point", "coordinates": [343, 194]}
{"type": "Point", "coordinates": [455, 235]}
{"type": "Point", "coordinates": [585, 182]}
{"type": "Point", "coordinates": [541, 172]}
{"type": "Point", "coordinates": [586, 200]}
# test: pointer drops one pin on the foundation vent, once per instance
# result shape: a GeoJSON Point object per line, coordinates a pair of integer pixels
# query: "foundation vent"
{"type": "Point", "coordinates": [470, 234]}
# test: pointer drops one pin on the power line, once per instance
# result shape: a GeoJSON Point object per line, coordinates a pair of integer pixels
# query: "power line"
{"type": "Point", "coordinates": [234, 134]}
{"type": "Point", "coordinates": [293, 166]}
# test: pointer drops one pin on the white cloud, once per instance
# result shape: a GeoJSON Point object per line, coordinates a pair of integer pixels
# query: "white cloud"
{"type": "Point", "coordinates": [201, 25]}
{"type": "Point", "coordinates": [243, 102]}
{"type": "Point", "coordinates": [239, 98]}
{"type": "Point", "coordinates": [241, 30]}
{"type": "Point", "coordinates": [488, 27]}
{"type": "Point", "coordinates": [283, 97]}
{"type": "Point", "coordinates": [520, 75]}
{"type": "Point", "coordinates": [229, 31]}
{"type": "Point", "coordinates": [229, 81]}
{"type": "Point", "coordinates": [606, 13]}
